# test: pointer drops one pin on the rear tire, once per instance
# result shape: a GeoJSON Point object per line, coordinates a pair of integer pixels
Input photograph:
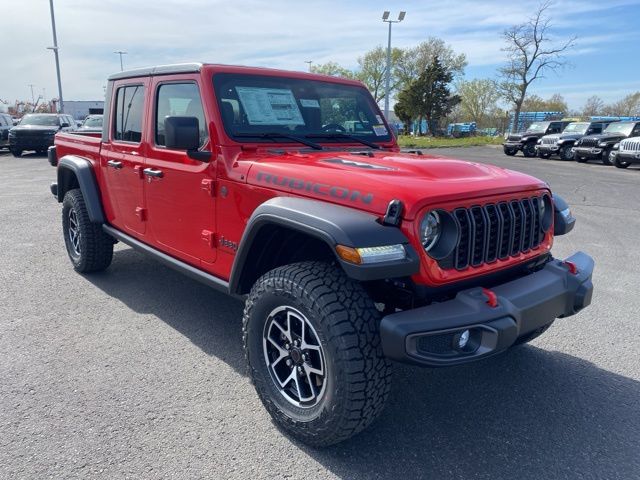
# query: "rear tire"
{"type": "Point", "coordinates": [341, 322]}
{"type": "Point", "coordinates": [510, 152]}
{"type": "Point", "coordinates": [88, 247]}
{"type": "Point", "coordinates": [529, 150]}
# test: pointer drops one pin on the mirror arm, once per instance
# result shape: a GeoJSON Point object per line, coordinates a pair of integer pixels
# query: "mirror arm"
{"type": "Point", "coordinates": [201, 156]}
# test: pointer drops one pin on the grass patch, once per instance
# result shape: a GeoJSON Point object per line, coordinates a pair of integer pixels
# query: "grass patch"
{"type": "Point", "coordinates": [407, 141]}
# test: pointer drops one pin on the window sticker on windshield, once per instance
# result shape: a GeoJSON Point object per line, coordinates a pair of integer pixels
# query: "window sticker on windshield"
{"type": "Point", "coordinates": [270, 106]}
{"type": "Point", "coordinates": [379, 119]}
{"type": "Point", "coordinates": [309, 103]}
{"type": "Point", "coordinates": [380, 130]}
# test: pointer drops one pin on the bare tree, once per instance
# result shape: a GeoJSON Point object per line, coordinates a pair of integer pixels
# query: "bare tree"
{"type": "Point", "coordinates": [531, 53]}
{"type": "Point", "coordinates": [593, 106]}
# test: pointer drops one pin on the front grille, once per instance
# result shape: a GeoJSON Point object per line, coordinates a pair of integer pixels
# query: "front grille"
{"type": "Point", "coordinates": [549, 140]}
{"type": "Point", "coordinates": [497, 231]}
{"type": "Point", "coordinates": [589, 142]}
{"type": "Point", "coordinates": [514, 138]}
{"type": "Point", "coordinates": [630, 146]}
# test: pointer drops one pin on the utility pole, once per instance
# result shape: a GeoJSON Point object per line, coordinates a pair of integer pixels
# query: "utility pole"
{"type": "Point", "coordinates": [55, 52]}
{"type": "Point", "coordinates": [309, 62]}
{"type": "Point", "coordinates": [120, 52]}
{"type": "Point", "coordinates": [387, 80]}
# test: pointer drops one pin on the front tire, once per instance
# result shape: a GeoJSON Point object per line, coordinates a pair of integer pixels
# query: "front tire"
{"type": "Point", "coordinates": [566, 153]}
{"type": "Point", "coordinates": [88, 247]}
{"type": "Point", "coordinates": [16, 152]}
{"type": "Point", "coordinates": [510, 152]}
{"type": "Point", "coordinates": [313, 350]}
{"type": "Point", "coordinates": [620, 163]}
{"type": "Point", "coordinates": [605, 156]}
{"type": "Point", "coordinates": [529, 150]}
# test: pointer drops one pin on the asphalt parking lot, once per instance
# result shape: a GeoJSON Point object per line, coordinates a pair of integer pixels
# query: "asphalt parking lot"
{"type": "Point", "coordinates": [138, 372]}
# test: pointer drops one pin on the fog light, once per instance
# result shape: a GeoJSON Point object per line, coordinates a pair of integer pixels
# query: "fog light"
{"type": "Point", "coordinates": [463, 340]}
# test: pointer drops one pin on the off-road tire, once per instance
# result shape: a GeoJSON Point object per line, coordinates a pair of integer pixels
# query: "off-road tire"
{"type": "Point", "coordinates": [605, 156]}
{"type": "Point", "coordinates": [510, 152]}
{"type": "Point", "coordinates": [15, 152]}
{"type": "Point", "coordinates": [619, 163]}
{"type": "Point", "coordinates": [533, 335]}
{"type": "Point", "coordinates": [358, 376]}
{"type": "Point", "coordinates": [95, 248]}
{"type": "Point", "coordinates": [529, 150]}
{"type": "Point", "coordinates": [565, 153]}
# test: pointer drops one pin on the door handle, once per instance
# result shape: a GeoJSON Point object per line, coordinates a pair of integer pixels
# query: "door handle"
{"type": "Point", "coordinates": [115, 164]}
{"type": "Point", "coordinates": [150, 172]}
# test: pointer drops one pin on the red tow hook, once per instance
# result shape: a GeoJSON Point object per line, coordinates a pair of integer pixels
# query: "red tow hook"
{"type": "Point", "coordinates": [573, 269]}
{"type": "Point", "coordinates": [492, 298]}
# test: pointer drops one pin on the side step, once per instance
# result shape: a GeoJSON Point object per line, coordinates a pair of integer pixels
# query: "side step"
{"type": "Point", "coordinates": [169, 261]}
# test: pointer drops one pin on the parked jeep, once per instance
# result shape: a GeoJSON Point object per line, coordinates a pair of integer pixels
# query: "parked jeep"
{"type": "Point", "coordinates": [348, 253]}
{"type": "Point", "coordinates": [527, 140]}
{"type": "Point", "coordinates": [6, 123]}
{"type": "Point", "coordinates": [599, 147]}
{"type": "Point", "coordinates": [626, 152]}
{"type": "Point", "coordinates": [562, 144]}
{"type": "Point", "coordinates": [37, 130]}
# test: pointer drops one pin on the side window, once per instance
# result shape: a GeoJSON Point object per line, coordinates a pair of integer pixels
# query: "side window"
{"type": "Point", "coordinates": [128, 111]}
{"type": "Point", "coordinates": [596, 128]}
{"type": "Point", "coordinates": [181, 100]}
{"type": "Point", "coordinates": [636, 130]}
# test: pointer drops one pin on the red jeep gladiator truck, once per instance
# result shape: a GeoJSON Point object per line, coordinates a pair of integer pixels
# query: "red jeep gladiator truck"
{"type": "Point", "coordinates": [288, 190]}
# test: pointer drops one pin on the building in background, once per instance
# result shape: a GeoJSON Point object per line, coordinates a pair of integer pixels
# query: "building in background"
{"type": "Point", "coordinates": [79, 109]}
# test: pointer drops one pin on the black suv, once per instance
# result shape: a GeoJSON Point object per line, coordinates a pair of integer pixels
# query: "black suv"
{"type": "Point", "coordinates": [527, 140]}
{"type": "Point", "coordinates": [562, 144]}
{"type": "Point", "coordinates": [6, 123]}
{"type": "Point", "coordinates": [36, 131]}
{"type": "Point", "coordinates": [598, 147]}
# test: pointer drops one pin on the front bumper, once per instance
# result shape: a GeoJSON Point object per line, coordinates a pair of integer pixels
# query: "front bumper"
{"type": "Point", "coordinates": [512, 145]}
{"type": "Point", "coordinates": [30, 143]}
{"type": "Point", "coordinates": [548, 148]}
{"type": "Point", "coordinates": [588, 152]}
{"type": "Point", "coordinates": [429, 335]}
{"type": "Point", "coordinates": [628, 157]}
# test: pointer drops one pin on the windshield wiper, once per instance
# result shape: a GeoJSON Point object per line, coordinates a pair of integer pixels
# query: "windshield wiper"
{"type": "Point", "coordinates": [346, 137]}
{"type": "Point", "coordinates": [274, 135]}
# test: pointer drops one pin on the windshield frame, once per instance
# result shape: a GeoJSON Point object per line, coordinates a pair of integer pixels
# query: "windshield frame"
{"type": "Point", "coordinates": [29, 116]}
{"type": "Point", "coordinates": [224, 79]}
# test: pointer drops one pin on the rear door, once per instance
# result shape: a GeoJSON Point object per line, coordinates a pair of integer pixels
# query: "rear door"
{"type": "Point", "coordinates": [180, 191]}
{"type": "Point", "coordinates": [122, 157]}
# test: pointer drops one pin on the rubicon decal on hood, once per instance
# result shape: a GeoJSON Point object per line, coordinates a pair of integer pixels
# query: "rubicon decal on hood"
{"type": "Point", "coordinates": [322, 189]}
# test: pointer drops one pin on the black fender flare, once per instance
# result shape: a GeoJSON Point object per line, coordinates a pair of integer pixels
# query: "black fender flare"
{"type": "Point", "coordinates": [332, 224]}
{"type": "Point", "coordinates": [83, 171]}
{"type": "Point", "coordinates": [563, 219]}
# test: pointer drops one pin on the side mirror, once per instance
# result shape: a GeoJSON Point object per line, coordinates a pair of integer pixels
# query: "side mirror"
{"type": "Point", "coordinates": [183, 133]}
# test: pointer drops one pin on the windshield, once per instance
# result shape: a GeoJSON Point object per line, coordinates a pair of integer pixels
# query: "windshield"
{"type": "Point", "coordinates": [576, 128]}
{"type": "Point", "coordinates": [93, 122]}
{"type": "Point", "coordinates": [256, 104]}
{"type": "Point", "coordinates": [620, 127]}
{"type": "Point", "coordinates": [46, 120]}
{"type": "Point", "coordinates": [538, 127]}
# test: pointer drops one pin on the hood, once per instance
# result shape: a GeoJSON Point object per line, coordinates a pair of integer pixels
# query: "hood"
{"type": "Point", "coordinates": [36, 128]}
{"type": "Point", "coordinates": [370, 182]}
{"type": "Point", "coordinates": [570, 136]}
{"type": "Point", "coordinates": [604, 137]}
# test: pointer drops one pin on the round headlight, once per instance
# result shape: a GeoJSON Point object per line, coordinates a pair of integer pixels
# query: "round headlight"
{"type": "Point", "coordinates": [430, 229]}
{"type": "Point", "coordinates": [602, 144]}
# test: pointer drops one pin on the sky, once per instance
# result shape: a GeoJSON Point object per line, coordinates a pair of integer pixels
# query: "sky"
{"type": "Point", "coordinates": [286, 33]}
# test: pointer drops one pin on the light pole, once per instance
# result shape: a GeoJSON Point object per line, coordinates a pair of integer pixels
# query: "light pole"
{"type": "Point", "coordinates": [55, 52]}
{"type": "Point", "coordinates": [387, 80]}
{"type": "Point", "coordinates": [33, 98]}
{"type": "Point", "coordinates": [120, 52]}
{"type": "Point", "coordinates": [309, 62]}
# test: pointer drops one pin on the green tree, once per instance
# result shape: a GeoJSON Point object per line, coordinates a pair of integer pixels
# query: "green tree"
{"type": "Point", "coordinates": [373, 69]}
{"type": "Point", "coordinates": [414, 61]}
{"type": "Point", "coordinates": [479, 99]}
{"type": "Point", "coordinates": [432, 95]}
{"type": "Point", "coordinates": [405, 107]}
{"type": "Point", "coordinates": [530, 54]}
{"type": "Point", "coordinates": [332, 68]}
